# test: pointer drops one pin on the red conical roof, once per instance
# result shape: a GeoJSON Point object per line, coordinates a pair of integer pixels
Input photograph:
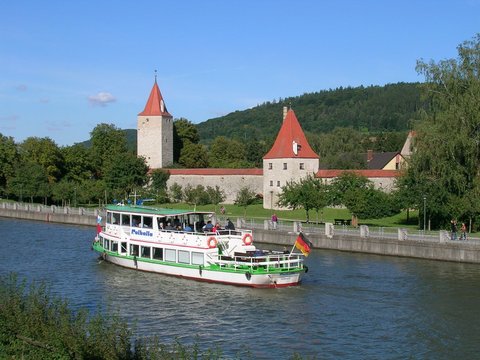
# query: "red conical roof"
{"type": "Point", "coordinates": [155, 104]}
{"type": "Point", "coordinates": [291, 141]}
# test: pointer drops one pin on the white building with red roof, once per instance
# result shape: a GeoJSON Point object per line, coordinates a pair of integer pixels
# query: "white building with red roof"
{"type": "Point", "coordinates": [290, 158]}
{"type": "Point", "coordinates": [155, 131]}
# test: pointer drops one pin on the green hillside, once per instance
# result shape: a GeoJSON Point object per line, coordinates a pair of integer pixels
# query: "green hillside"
{"type": "Point", "coordinates": [368, 109]}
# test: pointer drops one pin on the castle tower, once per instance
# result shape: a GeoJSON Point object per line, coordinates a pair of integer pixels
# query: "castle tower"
{"type": "Point", "coordinates": [155, 131]}
{"type": "Point", "coordinates": [290, 158]}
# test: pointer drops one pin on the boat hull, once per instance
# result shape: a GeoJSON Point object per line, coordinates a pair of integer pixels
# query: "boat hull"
{"type": "Point", "coordinates": [207, 274]}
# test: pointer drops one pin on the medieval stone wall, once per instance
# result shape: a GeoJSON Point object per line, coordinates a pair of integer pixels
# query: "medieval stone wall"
{"type": "Point", "coordinates": [230, 184]}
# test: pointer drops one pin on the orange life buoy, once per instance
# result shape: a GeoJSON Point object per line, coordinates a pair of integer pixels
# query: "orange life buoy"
{"type": "Point", "coordinates": [247, 239]}
{"type": "Point", "coordinates": [212, 242]}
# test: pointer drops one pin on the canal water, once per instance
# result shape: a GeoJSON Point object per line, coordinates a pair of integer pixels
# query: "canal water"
{"type": "Point", "coordinates": [349, 306]}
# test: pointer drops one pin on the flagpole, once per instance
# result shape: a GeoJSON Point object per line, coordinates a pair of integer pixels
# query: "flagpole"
{"type": "Point", "coordinates": [293, 247]}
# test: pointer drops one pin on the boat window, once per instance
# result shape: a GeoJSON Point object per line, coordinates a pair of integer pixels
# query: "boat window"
{"type": "Point", "coordinates": [123, 248]}
{"type": "Point", "coordinates": [170, 255]}
{"type": "Point", "coordinates": [115, 246]}
{"type": "Point", "coordinates": [116, 218]}
{"type": "Point", "coordinates": [197, 258]}
{"type": "Point", "coordinates": [109, 217]}
{"type": "Point", "coordinates": [184, 257]}
{"type": "Point", "coordinates": [158, 253]}
{"type": "Point", "coordinates": [107, 244]}
{"type": "Point", "coordinates": [145, 251]}
{"type": "Point", "coordinates": [133, 250]}
{"type": "Point", "coordinates": [136, 220]}
{"type": "Point", "coordinates": [148, 222]}
{"type": "Point", "coordinates": [126, 219]}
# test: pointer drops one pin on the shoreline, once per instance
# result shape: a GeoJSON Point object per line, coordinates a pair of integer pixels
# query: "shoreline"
{"type": "Point", "coordinates": [440, 249]}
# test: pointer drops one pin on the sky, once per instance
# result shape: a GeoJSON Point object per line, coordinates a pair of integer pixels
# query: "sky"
{"type": "Point", "coordinates": [67, 66]}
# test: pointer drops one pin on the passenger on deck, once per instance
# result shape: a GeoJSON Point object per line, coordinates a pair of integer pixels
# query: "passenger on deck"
{"type": "Point", "coordinates": [208, 227]}
{"type": "Point", "coordinates": [229, 225]}
{"type": "Point", "coordinates": [187, 228]}
{"type": "Point", "coordinates": [169, 227]}
{"type": "Point", "coordinates": [217, 227]}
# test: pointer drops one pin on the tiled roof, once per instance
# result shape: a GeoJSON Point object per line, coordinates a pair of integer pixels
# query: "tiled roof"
{"type": "Point", "coordinates": [380, 160]}
{"type": "Point", "coordinates": [155, 105]}
{"type": "Point", "coordinates": [366, 173]}
{"type": "Point", "coordinates": [291, 141]}
{"type": "Point", "coordinates": [206, 172]}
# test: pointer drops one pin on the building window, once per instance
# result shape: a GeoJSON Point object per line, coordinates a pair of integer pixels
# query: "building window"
{"type": "Point", "coordinates": [270, 166]}
{"type": "Point", "coordinates": [284, 166]}
{"type": "Point", "coordinates": [278, 183]}
{"type": "Point", "coordinates": [271, 182]}
{"type": "Point", "coordinates": [302, 166]}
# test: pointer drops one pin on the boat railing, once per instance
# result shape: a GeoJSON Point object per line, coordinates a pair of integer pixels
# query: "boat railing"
{"type": "Point", "coordinates": [268, 262]}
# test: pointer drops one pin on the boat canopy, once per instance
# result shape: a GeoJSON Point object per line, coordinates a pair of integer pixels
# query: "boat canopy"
{"type": "Point", "coordinates": [154, 211]}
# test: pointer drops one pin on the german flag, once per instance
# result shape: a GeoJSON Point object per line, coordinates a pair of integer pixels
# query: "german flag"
{"type": "Point", "coordinates": [303, 244]}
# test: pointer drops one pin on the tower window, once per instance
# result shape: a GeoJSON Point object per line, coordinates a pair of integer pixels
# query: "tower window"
{"type": "Point", "coordinates": [302, 166]}
{"type": "Point", "coordinates": [270, 166]}
{"type": "Point", "coordinates": [278, 183]}
{"type": "Point", "coordinates": [271, 182]}
{"type": "Point", "coordinates": [284, 166]}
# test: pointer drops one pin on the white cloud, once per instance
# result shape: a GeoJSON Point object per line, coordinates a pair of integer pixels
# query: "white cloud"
{"type": "Point", "coordinates": [101, 99]}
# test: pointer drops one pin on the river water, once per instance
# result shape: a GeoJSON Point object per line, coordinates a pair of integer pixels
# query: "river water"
{"type": "Point", "coordinates": [349, 306]}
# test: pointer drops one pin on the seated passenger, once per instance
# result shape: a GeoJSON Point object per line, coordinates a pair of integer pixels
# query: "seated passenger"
{"type": "Point", "coordinates": [217, 227]}
{"type": "Point", "coordinates": [208, 227]}
{"type": "Point", "coordinates": [187, 228]}
{"type": "Point", "coordinates": [229, 225]}
{"type": "Point", "coordinates": [169, 226]}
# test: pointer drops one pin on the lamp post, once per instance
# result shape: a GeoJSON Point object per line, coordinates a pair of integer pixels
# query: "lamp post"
{"type": "Point", "coordinates": [424, 213]}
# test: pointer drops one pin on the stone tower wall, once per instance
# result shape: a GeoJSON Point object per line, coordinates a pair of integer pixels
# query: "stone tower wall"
{"type": "Point", "coordinates": [155, 140]}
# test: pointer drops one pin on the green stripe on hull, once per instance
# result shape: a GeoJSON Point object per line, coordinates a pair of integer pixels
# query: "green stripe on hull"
{"type": "Point", "coordinates": [254, 270]}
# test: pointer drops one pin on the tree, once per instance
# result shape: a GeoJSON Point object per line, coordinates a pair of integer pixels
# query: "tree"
{"type": "Point", "coordinates": [46, 153]}
{"type": "Point", "coordinates": [215, 195]}
{"type": "Point", "coordinates": [8, 160]}
{"type": "Point", "coordinates": [125, 172]}
{"type": "Point", "coordinates": [159, 178]}
{"type": "Point", "coordinates": [344, 182]}
{"type": "Point", "coordinates": [64, 192]}
{"type": "Point", "coordinates": [245, 197]}
{"type": "Point", "coordinates": [176, 192]}
{"type": "Point", "coordinates": [30, 180]}
{"type": "Point", "coordinates": [308, 193]}
{"type": "Point", "coordinates": [183, 131]}
{"type": "Point", "coordinates": [78, 162]}
{"type": "Point", "coordinates": [369, 203]}
{"type": "Point", "coordinates": [226, 153]}
{"type": "Point", "coordinates": [446, 161]}
{"type": "Point", "coordinates": [108, 142]}
{"type": "Point", "coordinates": [193, 156]}
{"type": "Point", "coordinates": [195, 195]}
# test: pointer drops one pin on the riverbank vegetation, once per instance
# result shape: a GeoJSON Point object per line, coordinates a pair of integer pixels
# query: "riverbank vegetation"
{"type": "Point", "coordinates": [34, 324]}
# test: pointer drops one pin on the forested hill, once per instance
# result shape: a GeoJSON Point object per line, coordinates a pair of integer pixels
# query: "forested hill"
{"type": "Point", "coordinates": [373, 109]}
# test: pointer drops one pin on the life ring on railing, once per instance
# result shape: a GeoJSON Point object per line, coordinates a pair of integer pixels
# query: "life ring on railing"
{"type": "Point", "coordinates": [212, 242]}
{"type": "Point", "coordinates": [247, 239]}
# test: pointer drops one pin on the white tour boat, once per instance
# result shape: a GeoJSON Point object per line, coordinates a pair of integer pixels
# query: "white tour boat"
{"type": "Point", "coordinates": [175, 242]}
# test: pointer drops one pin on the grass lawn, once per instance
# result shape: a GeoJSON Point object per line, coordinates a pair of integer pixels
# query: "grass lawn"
{"type": "Point", "coordinates": [327, 215]}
